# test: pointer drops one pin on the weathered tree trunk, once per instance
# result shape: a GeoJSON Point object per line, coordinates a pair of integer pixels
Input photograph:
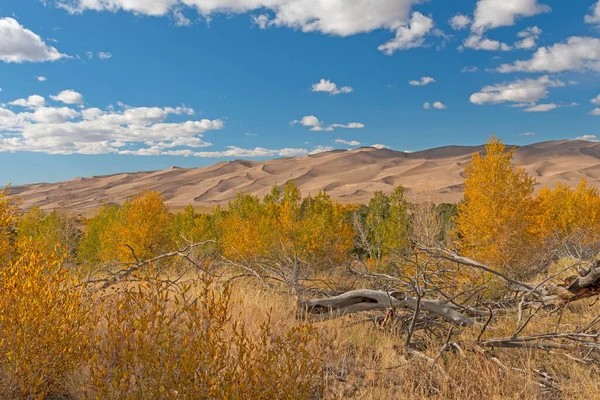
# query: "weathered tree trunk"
{"type": "Point", "coordinates": [365, 299]}
{"type": "Point", "coordinates": [575, 287]}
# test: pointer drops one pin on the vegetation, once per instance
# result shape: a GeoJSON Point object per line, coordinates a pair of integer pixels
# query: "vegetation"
{"type": "Point", "coordinates": [140, 302]}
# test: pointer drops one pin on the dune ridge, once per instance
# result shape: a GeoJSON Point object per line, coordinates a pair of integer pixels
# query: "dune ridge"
{"type": "Point", "coordinates": [349, 176]}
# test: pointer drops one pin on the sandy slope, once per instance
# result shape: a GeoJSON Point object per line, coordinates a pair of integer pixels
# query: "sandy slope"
{"type": "Point", "coordinates": [348, 176]}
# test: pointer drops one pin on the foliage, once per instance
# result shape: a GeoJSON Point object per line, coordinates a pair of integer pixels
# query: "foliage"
{"type": "Point", "coordinates": [179, 342]}
{"type": "Point", "coordinates": [570, 220]}
{"type": "Point", "coordinates": [142, 226]}
{"type": "Point", "coordinates": [45, 325]}
{"type": "Point", "coordinates": [54, 232]}
{"type": "Point", "coordinates": [92, 246]}
{"type": "Point", "coordinates": [383, 227]}
{"type": "Point", "coordinates": [8, 219]}
{"type": "Point", "coordinates": [496, 223]}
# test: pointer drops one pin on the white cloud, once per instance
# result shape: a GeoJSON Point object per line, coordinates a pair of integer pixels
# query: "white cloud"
{"type": "Point", "coordinates": [317, 125]}
{"type": "Point", "coordinates": [576, 54]}
{"type": "Point", "coordinates": [478, 42]}
{"type": "Point", "coordinates": [528, 91]}
{"type": "Point", "coordinates": [595, 111]}
{"type": "Point", "coordinates": [460, 21]}
{"type": "Point", "coordinates": [490, 14]}
{"type": "Point", "coordinates": [351, 125]}
{"type": "Point", "coordinates": [18, 44]}
{"type": "Point", "coordinates": [437, 105]}
{"type": "Point", "coordinates": [334, 17]}
{"type": "Point", "coordinates": [596, 100]}
{"type": "Point", "coordinates": [594, 17]}
{"type": "Point", "coordinates": [424, 81]}
{"type": "Point", "coordinates": [329, 87]}
{"type": "Point", "coordinates": [321, 149]}
{"type": "Point", "coordinates": [541, 107]}
{"type": "Point", "coordinates": [469, 69]}
{"type": "Point", "coordinates": [380, 146]}
{"type": "Point", "coordinates": [180, 19]}
{"type": "Point", "coordinates": [529, 38]}
{"type": "Point", "coordinates": [41, 78]}
{"type": "Point", "coordinates": [527, 134]}
{"type": "Point", "coordinates": [348, 142]}
{"type": "Point", "coordinates": [68, 97]}
{"type": "Point", "coordinates": [589, 138]}
{"type": "Point", "coordinates": [409, 36]}
{"type": "Point", "coordinates": [261, 20]}
{"type": "Point", "coordinates": [33, 101]}
{"type": "Point", "coordinates": [64, 130]}
{"type": "Point", "coordinates": [104, 56]}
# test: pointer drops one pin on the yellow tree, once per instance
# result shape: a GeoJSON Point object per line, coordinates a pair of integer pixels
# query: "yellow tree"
{"type": "Point", "coordinates": [496, 220]}
{"type": "Point", "coordinates": [570, 219]}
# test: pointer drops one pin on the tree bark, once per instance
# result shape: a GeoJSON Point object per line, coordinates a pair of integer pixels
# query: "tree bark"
{"type": "Point", "coordinates": [365, 299]}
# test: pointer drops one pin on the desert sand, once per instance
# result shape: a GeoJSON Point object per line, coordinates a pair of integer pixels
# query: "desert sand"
{"type": "Point", "coordinates": [349, 176]}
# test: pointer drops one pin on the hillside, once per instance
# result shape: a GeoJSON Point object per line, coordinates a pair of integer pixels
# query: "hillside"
{"type": "Point", "coordinates": [350, 176]}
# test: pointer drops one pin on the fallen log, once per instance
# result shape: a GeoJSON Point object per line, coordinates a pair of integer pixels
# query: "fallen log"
{"type": "Point", "coordinates": [575, 287]}
{"type": "Point", "coordinates": [365, 299]}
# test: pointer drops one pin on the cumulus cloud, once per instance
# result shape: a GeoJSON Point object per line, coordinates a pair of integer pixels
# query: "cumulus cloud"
{"type": "Point", "coordinates": [594, 17]}
{"type": "Point", "coordinates": [589, 138]}
{"type": "Point", "coordinates": [541, 107]}
{"type": "Point", "coordinates": [380, 146]}
{"type": "Point", "coordinates": [104, 56]}
{"type": "Point", "coordinates": [41, 78]}
{"type": "Point", "coordinates": [576, 54]}
{"type": "Point", "coordinates": [321, 149]}
{"type": "Point", "coordinates": [521, 91]}
{"type": "Point", "coordinates": [348, 142]}
{"type": "Point", "coordinates": [478, 42]}
{"type": "Point", "coordinates": [424, 81]}
{"type": "Point", "coordinates": [18, 44]}
{"type": "Point", "coordinates": [596, 100]}
{"type": "Point", "coordinates": [527, 134]}
{"type": "Point", "coordinates": [490, 14]}
{"type": "Point", "coordinates": [317, 125]}
{"type": "Point", "coordinates": [68, 97]}
{"type": "Point", "coordinates": [33, 101]}
{"type": "Point", "coordinates": [469, 69]}
{"type": "Point", "coordinates": [329, 87]}
{"type": "Point", "coordinates": [409, 36]}
{"type": "Point", "coordinates": [261, 20]}
{"type": "Point", "coordinates": [460, 21]}
{"type": "Point", "coordinates": [121, 130]}
{"type": "Point", "coordinates": [438, 105]}
{"type": "Point", "coordinates": [529, 38]}
{"type": "Point", "coordinates": [334, 17]}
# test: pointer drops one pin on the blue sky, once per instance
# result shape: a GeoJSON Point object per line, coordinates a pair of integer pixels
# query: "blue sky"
{"type": "Point", "coordinates": [94, 87]}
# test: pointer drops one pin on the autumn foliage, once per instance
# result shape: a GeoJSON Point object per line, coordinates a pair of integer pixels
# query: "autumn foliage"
{"type": "Point", "coordinates": [161, 331]}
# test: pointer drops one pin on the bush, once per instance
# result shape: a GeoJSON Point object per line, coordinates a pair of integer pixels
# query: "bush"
{"type": "Point", "coordinates": [165, 341]}
{"type": "Point", "coordinates": [45, 326]}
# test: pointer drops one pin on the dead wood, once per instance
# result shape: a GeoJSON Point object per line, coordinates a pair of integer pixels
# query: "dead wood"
{"type": "Point", "coordinates": [365, 299]}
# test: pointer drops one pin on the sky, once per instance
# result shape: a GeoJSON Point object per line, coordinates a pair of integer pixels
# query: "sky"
{"type": "Point", "coordinates": [95, 87]}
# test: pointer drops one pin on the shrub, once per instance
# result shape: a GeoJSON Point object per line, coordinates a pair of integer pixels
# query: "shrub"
{"type": "Point", "coordinates": [160, 340]}
{"type": "Point", "coordinates": [45, 325]}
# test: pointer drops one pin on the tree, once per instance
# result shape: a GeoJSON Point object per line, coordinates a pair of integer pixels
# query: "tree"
{"type": "Point", "coordinates": [496, 220]}
{"type": "Point", "coordinates": [570, 220]}
{"type": "Point", "coordinates": [383, 229]}
{"type": "Point", "coordinates": [141, 226]}
{"type": "Point", "coordinates": [53, 232]}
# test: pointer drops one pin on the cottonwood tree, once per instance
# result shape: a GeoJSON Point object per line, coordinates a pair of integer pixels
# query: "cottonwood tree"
{"type": "Point", "coordinates": [496, 222]}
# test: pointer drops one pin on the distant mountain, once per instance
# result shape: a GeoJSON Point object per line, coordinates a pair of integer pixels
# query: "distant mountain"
{"type": "Point", "coordinates": [349, 176]}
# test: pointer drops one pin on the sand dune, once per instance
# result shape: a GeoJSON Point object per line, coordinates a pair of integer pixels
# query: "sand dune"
{"type": "Point", "coordinates": [349, 176]}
